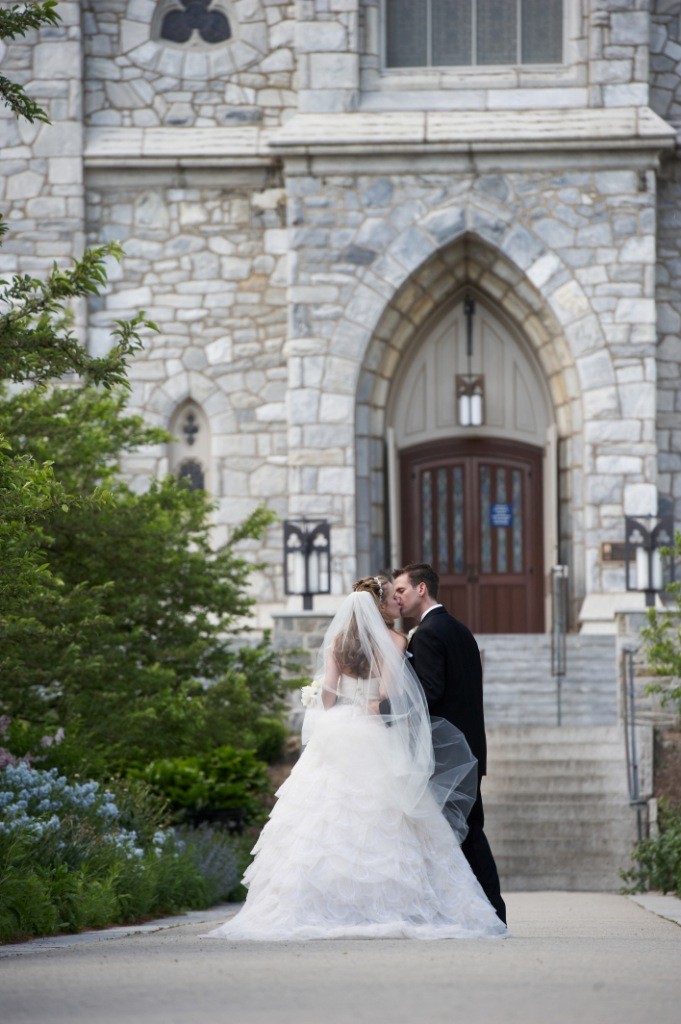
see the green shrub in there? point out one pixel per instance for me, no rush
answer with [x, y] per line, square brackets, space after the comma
[72, 858]
[659, 858]
[270, 737]
[217, 856]
[224, 785]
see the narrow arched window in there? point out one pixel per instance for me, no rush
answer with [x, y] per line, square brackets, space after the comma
[189, 450]
[192, 472]
[465, 33]
[185, 21]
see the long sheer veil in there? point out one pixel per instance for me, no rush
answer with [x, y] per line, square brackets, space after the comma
[426, 756]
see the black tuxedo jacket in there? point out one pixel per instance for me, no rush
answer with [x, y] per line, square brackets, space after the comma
[446, 659]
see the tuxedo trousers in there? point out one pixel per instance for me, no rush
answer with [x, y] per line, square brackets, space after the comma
[477, 851]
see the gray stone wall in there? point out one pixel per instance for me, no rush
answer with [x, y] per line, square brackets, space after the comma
[665, 59]
[668, 293]
[665, 98]
[41, 185]
[327, 45]
[285, 307]
[135, 79]
[578, 248]
[208, 264]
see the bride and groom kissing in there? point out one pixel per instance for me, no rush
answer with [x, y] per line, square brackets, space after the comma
[378, 831]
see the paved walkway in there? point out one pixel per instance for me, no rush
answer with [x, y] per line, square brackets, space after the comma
[575, 958]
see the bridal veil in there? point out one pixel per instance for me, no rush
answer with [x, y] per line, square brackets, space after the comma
[360, 666]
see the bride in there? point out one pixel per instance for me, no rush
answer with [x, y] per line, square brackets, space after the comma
[364, 838]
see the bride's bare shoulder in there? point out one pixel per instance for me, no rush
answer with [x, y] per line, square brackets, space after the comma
[399, 639]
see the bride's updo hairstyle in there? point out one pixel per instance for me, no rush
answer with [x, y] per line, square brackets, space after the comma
[374, 585]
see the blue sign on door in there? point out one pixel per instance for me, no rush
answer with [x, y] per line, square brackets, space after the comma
[501, 514]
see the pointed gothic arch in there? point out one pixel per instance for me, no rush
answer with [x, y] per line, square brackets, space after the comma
[469, 261]
[189, 449]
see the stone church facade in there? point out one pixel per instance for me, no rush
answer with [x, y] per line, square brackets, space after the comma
[347, 217]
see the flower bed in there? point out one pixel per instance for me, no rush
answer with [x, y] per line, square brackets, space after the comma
[71, 857]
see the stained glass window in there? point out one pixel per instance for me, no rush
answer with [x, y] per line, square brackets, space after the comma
[442, 520]
[427, 506]
[203, 17]
[502, 561]
[193, 472]
[485, 528]
[461, 33]
[189, 447]
[458, 520]
[517, 521]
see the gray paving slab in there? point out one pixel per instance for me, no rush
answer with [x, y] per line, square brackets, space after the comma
[574, 958]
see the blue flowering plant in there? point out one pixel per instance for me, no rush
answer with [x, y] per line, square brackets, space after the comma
[74, 854]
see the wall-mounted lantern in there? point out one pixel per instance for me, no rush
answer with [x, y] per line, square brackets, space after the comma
[470, 387]
[644, 536]
[307, 558]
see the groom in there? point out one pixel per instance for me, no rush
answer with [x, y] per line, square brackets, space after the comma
[447, 661]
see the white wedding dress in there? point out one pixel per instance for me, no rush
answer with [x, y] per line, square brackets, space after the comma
[345, 855]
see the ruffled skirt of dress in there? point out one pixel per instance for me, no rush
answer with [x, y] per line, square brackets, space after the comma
[341, 856]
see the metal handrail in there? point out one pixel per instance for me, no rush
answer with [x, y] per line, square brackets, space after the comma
[559, 609]
[630, 743]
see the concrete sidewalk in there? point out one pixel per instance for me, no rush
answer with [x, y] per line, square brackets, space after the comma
[575, 958]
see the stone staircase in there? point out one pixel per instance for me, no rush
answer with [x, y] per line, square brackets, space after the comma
[519, 688]
[557, 810]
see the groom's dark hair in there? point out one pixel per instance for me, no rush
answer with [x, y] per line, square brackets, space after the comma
[421, 572]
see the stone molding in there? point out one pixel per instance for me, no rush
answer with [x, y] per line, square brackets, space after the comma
[474, 131]
[463, 132]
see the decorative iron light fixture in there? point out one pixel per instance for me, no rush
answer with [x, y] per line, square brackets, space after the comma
[307, 558]
[470, 387]
[644, 536]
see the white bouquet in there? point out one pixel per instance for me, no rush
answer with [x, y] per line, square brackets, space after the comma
[308, 694]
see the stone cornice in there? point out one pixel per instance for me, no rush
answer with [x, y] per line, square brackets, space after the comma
[177, 147]
[419, 133]
[427, 132]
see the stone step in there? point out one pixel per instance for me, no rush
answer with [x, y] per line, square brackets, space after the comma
[554, 756]
[557, 810]
[519, 687]
[562, 836]
[569, 796]
[595, 881]
[551, 734]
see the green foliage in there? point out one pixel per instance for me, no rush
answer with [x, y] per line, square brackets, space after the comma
[70, 857]
[243, 852]
[37, 343]
[117, 610]
[43, 895]
[117, 614]
[269, 739]
[17, 21]
[217, 856]
[659, 858]
[224, 785]
[662, 638]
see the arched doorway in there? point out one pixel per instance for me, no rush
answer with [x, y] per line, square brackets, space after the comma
[478, 503]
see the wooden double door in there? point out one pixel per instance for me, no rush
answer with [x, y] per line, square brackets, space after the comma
[473, 510]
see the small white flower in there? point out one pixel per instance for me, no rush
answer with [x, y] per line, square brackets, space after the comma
[308, 694]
